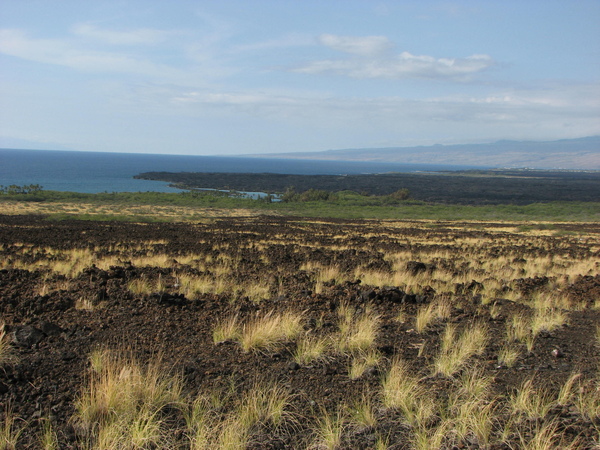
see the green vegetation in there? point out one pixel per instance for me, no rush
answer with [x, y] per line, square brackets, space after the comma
[344, 204]
[14, 189]
[494, 188]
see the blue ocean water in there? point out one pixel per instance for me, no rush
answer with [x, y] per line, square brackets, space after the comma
[91, 172]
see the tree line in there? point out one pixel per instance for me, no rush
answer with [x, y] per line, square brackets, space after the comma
[15, 189]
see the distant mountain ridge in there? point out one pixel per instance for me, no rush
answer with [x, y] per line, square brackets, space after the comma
[571, 154]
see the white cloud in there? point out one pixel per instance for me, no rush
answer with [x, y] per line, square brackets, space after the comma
[404, 65]
[66, 53]
[527, 114]
[223, 99]
[140, 36]
[363, 46]
[370, 59]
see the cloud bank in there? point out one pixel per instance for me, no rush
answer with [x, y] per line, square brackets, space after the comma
[371, 58]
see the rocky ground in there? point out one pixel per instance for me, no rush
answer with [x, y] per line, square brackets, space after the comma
[66, 290]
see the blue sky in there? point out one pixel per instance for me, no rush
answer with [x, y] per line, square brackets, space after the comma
[262, 76]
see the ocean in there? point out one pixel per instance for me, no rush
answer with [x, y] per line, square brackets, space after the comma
[92, 172]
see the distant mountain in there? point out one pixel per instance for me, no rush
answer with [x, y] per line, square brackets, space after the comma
[582, 153]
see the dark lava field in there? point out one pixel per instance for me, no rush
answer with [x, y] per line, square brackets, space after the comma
[282, 333]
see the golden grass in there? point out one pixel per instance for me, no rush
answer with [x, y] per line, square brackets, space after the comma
[328, 431]
[266, 332]
[587, 400]
[263, 404]
[547, 320]
[121, 406]
[363, 361]
[425, 316]
[195, 286]
[439, 310]
[310, 349]
[48, 437]
[256, 291]
[401, 390]
[362, 412]
[566, 393]
[263, 332]
[86, 304]
[358, 330]
[175, 213]
[547, 437]
[200, 422]
[518, 328]
[425, 438]
[531, 402]
[508, 355]
[11, 429]
[456, 351]
[227, 330]
[468, 415]
[473, 384]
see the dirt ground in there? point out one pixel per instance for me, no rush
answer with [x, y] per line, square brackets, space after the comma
[56, 315]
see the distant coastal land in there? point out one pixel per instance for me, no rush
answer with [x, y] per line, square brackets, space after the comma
[582, 153]
[479, 187]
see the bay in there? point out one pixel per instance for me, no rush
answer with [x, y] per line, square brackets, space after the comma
[92, 172]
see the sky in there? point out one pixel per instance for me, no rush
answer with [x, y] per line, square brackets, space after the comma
[229, 77]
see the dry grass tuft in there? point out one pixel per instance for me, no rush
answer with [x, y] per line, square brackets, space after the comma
[228, 330]
[531, 402]
[455, 352]
[358, 330]
[363, 361]
[122, 404]
[402, 391]
[508, 355]
[10, 431]
[266, 332]
[263, 332]
[328, 431]
[310, 349]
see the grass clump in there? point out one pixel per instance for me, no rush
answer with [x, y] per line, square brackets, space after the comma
[426, 315]
[210, 425]
[310, 348]
[456, 351]
[200, 421]
[531, 402]
[268, 331]
[264, 403]
[362, 412]
[547, 320]
[357, 330]
[263, 332]
[546, 436]
[587, 400]
[329, 430]
[363, 361]
[48, 437]
[508, 356]
[121, 406]
[10, 432]
[401, 390]
[228, 330]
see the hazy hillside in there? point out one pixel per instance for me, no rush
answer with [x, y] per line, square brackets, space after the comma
[583, 153]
